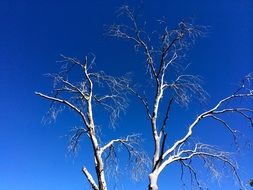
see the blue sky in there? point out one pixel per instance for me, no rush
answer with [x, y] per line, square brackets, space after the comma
[34, 33]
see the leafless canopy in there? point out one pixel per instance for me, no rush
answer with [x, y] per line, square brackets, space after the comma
[163, 51]
[107, 91]
[80, 89]
[164, 54]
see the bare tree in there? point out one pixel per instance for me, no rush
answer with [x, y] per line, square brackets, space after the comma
[81, 95]
[164, 55]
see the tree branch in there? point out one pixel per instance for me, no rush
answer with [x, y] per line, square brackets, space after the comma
[66, 103]
[166, 116]
[90, 179]
[142, 99]
[200, 117]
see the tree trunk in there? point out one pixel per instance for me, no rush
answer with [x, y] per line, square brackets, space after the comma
[153, 181]
[101, 175]
[99, 162]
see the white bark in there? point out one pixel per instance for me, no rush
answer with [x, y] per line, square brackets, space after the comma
[153, 177]
[90, 178]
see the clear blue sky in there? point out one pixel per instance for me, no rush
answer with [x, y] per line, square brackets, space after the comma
[34, 33]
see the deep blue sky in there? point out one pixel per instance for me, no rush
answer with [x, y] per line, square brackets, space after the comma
[34, 33]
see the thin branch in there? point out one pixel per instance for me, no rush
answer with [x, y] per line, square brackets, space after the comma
[142, 99]
[193, 173]
[66, 103]
[75, 136]
[232, 131]
[185, 87]
[117, 31]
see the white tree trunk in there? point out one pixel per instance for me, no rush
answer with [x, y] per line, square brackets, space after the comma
[100, 173]
[98, 158]
[153, 177]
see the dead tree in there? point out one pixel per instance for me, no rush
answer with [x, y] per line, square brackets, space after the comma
[164, 54]
[81, 95]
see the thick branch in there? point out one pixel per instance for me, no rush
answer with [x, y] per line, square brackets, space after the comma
[200, 117]
[90, 178]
